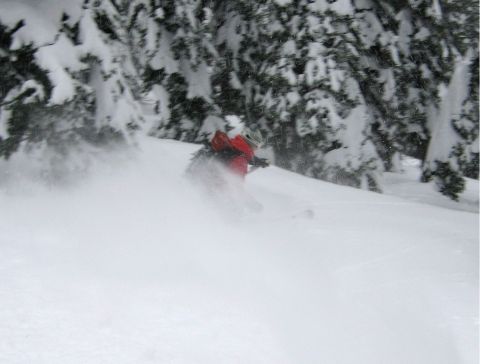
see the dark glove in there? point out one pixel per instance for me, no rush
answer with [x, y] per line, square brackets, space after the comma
[260, 162]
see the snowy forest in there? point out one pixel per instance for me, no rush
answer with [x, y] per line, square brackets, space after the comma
[342, 229]
[341, 88]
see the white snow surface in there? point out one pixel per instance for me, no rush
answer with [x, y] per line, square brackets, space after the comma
[134, 265]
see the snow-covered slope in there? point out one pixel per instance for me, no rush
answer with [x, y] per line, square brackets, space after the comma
[405, 184]
[135, 265]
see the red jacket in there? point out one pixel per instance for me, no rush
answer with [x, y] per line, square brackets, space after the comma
[239, 164]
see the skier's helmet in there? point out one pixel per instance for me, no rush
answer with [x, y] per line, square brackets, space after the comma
[253, 137]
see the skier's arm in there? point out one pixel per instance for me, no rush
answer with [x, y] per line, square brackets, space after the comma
[259, 162]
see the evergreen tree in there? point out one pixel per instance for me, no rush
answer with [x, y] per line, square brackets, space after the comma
[445, 49]
[72, 91]
[177, 62]
[452, 134]
[24, 84]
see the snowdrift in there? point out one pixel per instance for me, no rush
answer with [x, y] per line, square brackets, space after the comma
[134, 265]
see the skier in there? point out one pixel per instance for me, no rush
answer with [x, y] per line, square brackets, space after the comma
[220, 168]
[235, 155]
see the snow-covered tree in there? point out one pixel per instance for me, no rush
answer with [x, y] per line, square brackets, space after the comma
[68, 85]
[24, 84]
[453, 133]
[177, 66]
[443, 50]
[341, 88]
